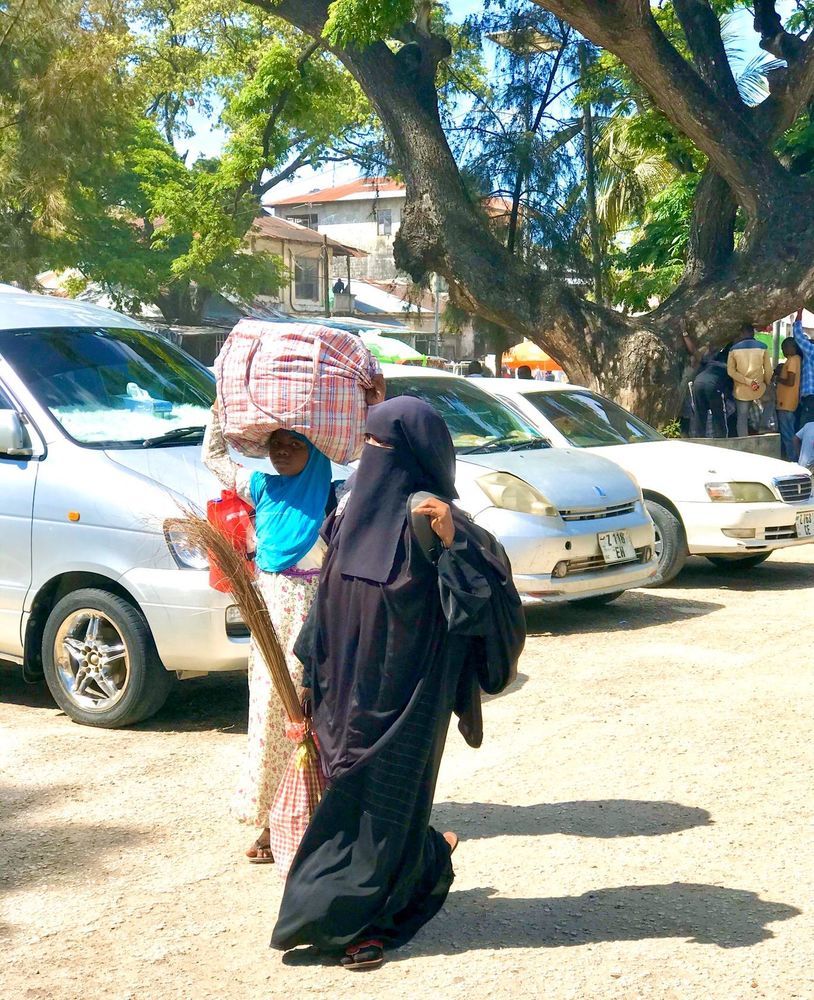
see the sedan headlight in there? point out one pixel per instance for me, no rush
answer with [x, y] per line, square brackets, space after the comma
[184, 552]
[740, 493]
[510, 493]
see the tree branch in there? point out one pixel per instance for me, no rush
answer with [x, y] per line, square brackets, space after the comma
[773, 37]
[702, 30]
[629, 30]
[282, 97]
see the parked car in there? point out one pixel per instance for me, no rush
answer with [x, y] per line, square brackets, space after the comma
[574, 525]
[101, 423]
[732, 507]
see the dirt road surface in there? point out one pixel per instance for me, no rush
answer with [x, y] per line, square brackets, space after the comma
[637, 825]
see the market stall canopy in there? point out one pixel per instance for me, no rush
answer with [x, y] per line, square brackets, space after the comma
[531, 355]
[388, 349]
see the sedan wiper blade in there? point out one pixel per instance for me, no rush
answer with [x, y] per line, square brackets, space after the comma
[173, 436]
[508, 443]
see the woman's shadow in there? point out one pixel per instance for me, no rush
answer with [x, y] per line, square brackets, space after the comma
[701, 914]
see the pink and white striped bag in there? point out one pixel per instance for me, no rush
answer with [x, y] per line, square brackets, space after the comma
[299, 376]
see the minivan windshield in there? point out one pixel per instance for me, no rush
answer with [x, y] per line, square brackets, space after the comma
[586, 420]
[478, 422]
[111, 388]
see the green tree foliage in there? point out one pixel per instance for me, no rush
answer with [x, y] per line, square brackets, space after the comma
[62, 95]
[151, 230]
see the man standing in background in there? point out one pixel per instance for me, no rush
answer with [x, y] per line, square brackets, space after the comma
[750, 369]
[788, 397]
[806, 348]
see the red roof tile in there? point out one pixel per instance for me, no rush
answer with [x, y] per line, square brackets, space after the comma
[362, 185]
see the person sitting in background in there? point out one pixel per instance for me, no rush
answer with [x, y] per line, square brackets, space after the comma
[788, 397]
[749, 367]
[524, 372]
[805, 446]
[806, 411]
[475, 370]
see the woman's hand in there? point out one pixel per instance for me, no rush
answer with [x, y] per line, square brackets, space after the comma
[376, 393]
[440, 517]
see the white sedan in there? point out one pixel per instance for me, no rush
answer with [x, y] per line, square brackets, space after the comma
[573, 525]
[730, 506]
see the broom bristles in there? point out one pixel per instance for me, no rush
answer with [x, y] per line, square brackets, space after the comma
[248, 598]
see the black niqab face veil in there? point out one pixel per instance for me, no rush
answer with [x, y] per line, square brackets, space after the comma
[420, 456]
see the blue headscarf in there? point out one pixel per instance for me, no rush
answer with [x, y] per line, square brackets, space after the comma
[289, 511]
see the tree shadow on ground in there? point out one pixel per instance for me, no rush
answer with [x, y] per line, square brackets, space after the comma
[45, 852]
[700, 574]
[603, 819]
[637, 609]
[219, 701]
[700, 914]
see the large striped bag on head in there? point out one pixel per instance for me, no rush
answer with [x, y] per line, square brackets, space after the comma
[298, 376]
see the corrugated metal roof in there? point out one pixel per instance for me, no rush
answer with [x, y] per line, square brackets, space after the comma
[362, 187]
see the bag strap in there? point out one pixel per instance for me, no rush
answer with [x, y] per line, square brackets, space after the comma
[428, 541]
[280, 417]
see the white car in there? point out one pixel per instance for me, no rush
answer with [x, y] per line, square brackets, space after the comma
[730, 506]
[573, 525]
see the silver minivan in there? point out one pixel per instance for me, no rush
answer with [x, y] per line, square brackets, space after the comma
[101, 422]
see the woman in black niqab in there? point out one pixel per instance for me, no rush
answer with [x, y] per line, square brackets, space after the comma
[383, 651]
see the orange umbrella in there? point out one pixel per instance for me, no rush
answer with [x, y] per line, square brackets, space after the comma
[531, 355]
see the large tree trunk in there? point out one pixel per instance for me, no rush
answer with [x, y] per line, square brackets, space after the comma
[637, 360]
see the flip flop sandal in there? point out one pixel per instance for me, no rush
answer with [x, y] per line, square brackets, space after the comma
[255, 859]
[452, 840]
[365, 955]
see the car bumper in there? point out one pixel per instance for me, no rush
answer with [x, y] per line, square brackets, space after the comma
[712, 528]
[536, 545]
[187, 619]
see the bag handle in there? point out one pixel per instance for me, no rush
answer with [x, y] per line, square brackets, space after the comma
[279, 418]
[429, 543]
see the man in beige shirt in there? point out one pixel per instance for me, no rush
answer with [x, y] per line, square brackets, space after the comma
[750, 369]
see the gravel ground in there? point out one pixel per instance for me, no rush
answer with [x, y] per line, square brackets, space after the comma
[638, 824]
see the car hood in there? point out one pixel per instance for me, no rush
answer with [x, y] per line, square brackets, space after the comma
[568, 478]
[178, 471]
[682, 457]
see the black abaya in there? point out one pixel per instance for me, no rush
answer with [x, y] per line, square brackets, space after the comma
[384, 659]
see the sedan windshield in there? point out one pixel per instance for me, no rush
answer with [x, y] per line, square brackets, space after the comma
[589, 421]
[477, 422]
[111, 388]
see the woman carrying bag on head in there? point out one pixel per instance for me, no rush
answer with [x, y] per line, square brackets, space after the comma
[290, 506]
[388, 652]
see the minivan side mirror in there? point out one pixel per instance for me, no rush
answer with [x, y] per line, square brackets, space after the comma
[14, 440]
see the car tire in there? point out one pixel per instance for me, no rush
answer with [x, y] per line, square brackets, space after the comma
[671, 543]
[735, 563]
[598, 600]
[100, 661]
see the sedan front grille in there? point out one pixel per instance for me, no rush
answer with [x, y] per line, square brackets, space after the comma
[794, 489]
[596, 564]
[597, 513]
[779, 533]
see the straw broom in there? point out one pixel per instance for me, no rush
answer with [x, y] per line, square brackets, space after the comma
[250, 601]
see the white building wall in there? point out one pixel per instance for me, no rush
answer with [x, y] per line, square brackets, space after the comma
[354, 224]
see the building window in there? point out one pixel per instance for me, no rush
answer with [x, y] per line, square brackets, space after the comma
[309, 221]
[306, 279]
[384, 222]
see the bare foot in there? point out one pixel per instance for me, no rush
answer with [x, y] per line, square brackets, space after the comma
[260, 851]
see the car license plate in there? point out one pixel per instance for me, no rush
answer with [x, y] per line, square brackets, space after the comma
[805, 524]
[616, 546]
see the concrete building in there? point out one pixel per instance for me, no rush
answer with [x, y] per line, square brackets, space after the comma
[365, 213]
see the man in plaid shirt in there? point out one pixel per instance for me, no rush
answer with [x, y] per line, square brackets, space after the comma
[806, 411]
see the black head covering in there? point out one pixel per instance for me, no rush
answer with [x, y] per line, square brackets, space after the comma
[421, 457]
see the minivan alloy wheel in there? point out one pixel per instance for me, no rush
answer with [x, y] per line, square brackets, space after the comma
[92, 660]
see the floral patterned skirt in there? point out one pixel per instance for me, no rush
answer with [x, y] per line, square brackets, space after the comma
[289, 596]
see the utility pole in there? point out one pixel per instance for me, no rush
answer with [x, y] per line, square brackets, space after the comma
[590, 179]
